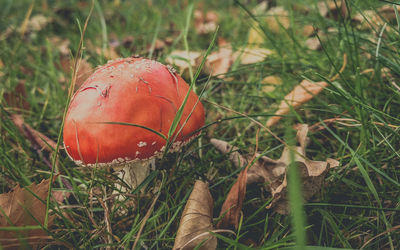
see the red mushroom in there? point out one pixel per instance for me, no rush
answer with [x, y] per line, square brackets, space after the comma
[120, 117]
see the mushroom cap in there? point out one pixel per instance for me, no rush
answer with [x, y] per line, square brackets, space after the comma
[135, 91]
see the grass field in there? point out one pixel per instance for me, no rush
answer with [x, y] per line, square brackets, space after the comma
[354, 120]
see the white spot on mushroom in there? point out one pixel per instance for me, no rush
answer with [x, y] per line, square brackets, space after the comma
[153, 143]
[137, 153]
[142, 144]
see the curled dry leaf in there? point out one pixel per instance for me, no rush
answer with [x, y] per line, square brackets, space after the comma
[230, 211]
[24, 207]
[302, 93]
[273, 172]
[196, 219]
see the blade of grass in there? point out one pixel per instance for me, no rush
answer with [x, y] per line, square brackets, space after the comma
[70, 92]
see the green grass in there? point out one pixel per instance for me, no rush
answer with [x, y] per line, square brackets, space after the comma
[357, 207]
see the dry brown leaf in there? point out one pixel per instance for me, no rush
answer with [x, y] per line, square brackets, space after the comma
[196, 221]
[270, 83]
[35, 137]
[273, 172]
[230, 211]
[22, 208]
[302, 93]
[184, 59]
[219, 62]
[205, 23]
[308, 30]
[17, 98]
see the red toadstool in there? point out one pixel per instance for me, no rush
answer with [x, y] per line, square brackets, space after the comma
[121, 116]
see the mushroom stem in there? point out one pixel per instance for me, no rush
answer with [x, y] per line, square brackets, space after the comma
[132, 175]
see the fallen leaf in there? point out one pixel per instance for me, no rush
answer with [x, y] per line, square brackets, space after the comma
[205, 23]
[333, 9]
[219, 62]
[369, 20]
[313, 43]
[257, 172]
[260, 8]
[17, 98]
[24, 207]
[388, 12]
[196, 219]
[325, 6]
[256, 36]
[230, 211]
[38, 139]
[251, 55]
[37, 23]
[184, 59]
[308, 30]
[270, 83]
[312, 174]
[273, 172]
[302, 93]
[277, 19]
